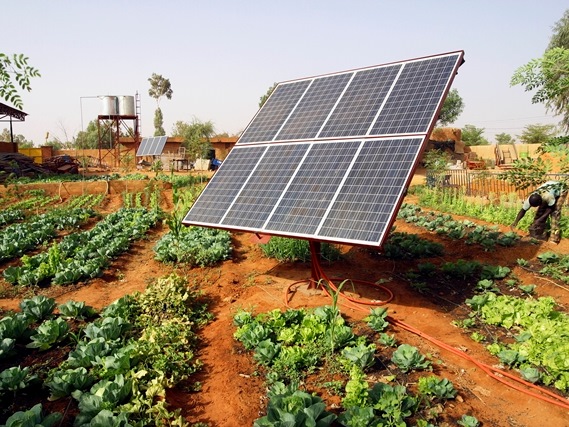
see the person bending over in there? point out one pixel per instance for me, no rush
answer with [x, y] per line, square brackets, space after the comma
[544, 198]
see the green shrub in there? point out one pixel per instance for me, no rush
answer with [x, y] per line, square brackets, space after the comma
[196, 246]
[286, 249]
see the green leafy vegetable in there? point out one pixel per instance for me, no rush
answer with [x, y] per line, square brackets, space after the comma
[64, 382]
[50, 332]
[33, 418]
[15, 378]
[14, 326]
[7, 347]
[196, 246]
[76, 310]
[408, 358]
[468, 421]
[109, 328]
[440, 388]
[361, 355]
[38, 307]
[376, 319]
[295, 408]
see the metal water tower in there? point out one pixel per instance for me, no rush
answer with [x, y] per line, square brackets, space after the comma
[117, 112]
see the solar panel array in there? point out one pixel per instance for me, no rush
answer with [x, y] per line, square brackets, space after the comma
[152, 146]
[329, 157]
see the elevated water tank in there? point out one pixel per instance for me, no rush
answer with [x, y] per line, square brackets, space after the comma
[109, 105]
[126, 105]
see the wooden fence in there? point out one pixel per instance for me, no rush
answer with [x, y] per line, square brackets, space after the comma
[481, 183]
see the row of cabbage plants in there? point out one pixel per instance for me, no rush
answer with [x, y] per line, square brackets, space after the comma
[446, 225]
[84, 254]
[21, 237]
[111, 368]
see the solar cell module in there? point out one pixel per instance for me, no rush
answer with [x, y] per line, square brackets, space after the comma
[329, 158]
[152, 146]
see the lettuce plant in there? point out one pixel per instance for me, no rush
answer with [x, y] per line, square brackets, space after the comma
[38, 307]
[295, 408]
[440, 388]
[356, 389]
[15, 378]
[376, 319]
[76, 310]
[47, 334]
[408, 358]
[14, 326]
[7, 347]
[33, 418]
[64, 382]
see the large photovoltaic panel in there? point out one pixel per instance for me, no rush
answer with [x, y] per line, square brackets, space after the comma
[152, 146]
[272, 116]
[306, 119]
[359, 105]
[257, 199]
[311, 191]
[329, 158]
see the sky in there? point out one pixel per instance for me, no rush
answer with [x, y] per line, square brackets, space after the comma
[221, 56]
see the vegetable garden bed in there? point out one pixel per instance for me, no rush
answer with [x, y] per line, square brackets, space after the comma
[233, 390]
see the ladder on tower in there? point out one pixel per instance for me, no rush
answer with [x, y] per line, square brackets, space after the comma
[138, 125]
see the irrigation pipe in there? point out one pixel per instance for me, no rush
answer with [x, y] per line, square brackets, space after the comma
[522, 386]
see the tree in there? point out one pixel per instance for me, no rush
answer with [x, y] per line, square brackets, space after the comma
[159, 87]
[452, 108]
[56, 144]
[436, 163]
[537, 134]
[89, 138]
[504, 138]
[264, 98]
[196, 136]
[15, 67]
[158, 123]
[19, 139]
[548, 76]
[472, 135]
[67, 142]
[560, 36]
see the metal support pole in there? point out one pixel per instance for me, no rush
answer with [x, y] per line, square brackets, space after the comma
[315, 251]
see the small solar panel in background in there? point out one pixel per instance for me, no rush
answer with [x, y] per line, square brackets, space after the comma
[151, 146]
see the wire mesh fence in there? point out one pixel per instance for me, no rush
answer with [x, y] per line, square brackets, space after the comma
[481, 183]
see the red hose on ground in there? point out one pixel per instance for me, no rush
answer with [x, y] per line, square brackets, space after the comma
[363, 305]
